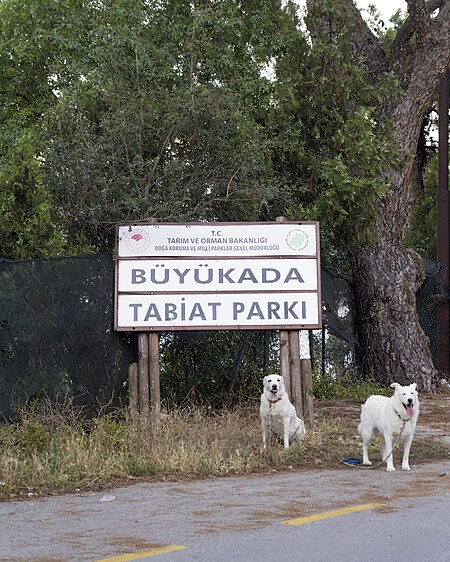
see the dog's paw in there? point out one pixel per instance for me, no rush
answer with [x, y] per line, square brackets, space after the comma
[367, 463]
[390, 469]
[406, 467]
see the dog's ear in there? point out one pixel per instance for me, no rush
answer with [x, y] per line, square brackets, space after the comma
[395, 385]
[414, 385]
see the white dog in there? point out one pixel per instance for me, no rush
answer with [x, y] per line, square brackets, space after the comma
[388, 416]
[278, 414]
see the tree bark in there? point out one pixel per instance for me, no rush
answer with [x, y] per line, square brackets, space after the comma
[386, 274]
[394, 346]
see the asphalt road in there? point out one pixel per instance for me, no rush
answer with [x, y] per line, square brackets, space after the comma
[334, 515]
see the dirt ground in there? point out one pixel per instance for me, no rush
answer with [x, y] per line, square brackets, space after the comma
[434, 417]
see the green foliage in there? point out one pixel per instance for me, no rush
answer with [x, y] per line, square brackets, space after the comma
[163, 118]
[138, 109]
[33, 437]
[328, 387]
[109, 430]
[217, 368]
[29, 227]
[422, 234]
[387, 33]
[331, 148]
[139, 467]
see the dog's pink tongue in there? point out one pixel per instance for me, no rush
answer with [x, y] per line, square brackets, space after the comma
[410, 411]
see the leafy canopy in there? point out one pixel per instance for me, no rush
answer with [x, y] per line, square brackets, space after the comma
[119, 111]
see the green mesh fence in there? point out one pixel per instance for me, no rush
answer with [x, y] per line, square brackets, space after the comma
[434, 290]
[56, 333]
[57, 338]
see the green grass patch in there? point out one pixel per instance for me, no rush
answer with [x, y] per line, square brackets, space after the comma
[326, 387]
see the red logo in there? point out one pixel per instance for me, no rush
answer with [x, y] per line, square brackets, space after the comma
[137, 241]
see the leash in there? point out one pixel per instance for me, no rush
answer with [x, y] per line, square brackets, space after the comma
[393, 446]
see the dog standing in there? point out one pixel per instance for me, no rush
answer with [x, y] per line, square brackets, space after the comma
[278, 414]
[388, 416]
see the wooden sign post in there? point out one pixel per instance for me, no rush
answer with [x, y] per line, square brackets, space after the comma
[144, 377]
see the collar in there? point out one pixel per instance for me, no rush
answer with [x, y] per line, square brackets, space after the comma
[402, 418]
[274, 401]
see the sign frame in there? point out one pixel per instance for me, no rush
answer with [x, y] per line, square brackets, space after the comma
[290, 245]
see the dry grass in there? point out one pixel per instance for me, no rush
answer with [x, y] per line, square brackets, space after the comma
[52, 451]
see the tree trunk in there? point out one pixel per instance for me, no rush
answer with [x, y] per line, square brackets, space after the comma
[395, 348]
[386, 275]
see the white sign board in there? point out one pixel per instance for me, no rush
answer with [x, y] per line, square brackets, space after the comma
[217, 276]
[227, 311]
[215, 239]
[187, 276]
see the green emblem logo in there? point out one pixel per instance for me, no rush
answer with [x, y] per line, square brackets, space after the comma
[297, 240]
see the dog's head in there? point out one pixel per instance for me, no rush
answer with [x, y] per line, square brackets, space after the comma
[408, 397]
[273, 384]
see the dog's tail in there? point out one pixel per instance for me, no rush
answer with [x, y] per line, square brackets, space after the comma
[300, 430]
[363, 414]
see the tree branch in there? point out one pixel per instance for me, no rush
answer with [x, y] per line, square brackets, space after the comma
[326, 19]
[401, 50]
[421, 20]
[428, 66]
